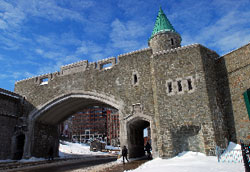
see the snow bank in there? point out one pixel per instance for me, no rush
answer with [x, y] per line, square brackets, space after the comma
[67, 149]
[191, 161]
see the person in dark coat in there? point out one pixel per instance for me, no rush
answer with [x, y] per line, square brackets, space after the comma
[125, 154]
[148, 149]
[51, 153]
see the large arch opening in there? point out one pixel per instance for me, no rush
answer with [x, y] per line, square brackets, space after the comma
[136, 137]
[44, 133]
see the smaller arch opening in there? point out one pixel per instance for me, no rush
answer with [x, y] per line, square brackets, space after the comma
[137, 139]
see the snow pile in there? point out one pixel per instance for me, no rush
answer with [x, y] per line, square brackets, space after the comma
[191, 161]
[67, 149]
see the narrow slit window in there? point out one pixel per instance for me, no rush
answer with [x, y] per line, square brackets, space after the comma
[179, 86]
[170, 88]
[190, 87]
[135, 79]
[172, 41]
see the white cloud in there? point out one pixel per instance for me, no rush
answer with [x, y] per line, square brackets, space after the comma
[39, 51]
[3, 76]
[88, 48]
[50, 67]
[11, 16]
[48, 9]
[127, 35]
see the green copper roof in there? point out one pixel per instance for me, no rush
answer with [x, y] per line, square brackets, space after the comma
[162, 24]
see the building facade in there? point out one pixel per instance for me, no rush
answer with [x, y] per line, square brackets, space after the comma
[93, 123]
[113, 130]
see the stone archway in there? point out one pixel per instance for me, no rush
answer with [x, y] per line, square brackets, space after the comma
[135, 127]
[42, 132]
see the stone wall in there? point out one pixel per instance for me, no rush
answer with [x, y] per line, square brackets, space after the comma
[116, 82]
[236, 78]
[185, 93]
[10, 110]
[45, 137]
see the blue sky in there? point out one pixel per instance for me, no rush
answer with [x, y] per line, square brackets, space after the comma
[39, 36]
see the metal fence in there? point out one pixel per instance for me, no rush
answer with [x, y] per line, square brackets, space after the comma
[229, 156]
[235, 155]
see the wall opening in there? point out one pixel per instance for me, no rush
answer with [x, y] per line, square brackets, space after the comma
[170, 87]
[172, 41]
[106, 66]
[137, 138]
[20, 139]
[179, 86]
[190, 87]
[135, 79]
[44, 81]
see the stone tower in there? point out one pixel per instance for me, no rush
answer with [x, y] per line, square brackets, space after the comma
[164, 36]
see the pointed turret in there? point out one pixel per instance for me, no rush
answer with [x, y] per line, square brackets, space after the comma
[164, 36]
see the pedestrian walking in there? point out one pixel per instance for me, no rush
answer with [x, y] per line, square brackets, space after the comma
[148, 149]
[125, 154]
[51, 154]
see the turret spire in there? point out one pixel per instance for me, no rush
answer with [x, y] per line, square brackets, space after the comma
[162, 24]
[164, 35]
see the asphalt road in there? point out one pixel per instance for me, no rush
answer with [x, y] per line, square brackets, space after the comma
[66, 166]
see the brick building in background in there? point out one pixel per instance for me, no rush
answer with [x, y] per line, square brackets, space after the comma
[92, 123]
[113, 127]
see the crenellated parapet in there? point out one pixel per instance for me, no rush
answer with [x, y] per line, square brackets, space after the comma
[102, 63]
[81, 66]
[74, 67]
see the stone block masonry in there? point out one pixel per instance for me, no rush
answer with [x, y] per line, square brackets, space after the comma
[10, 111]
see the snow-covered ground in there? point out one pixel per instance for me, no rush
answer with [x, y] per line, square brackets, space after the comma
[67, 149]
[194, 162]
[71, 150]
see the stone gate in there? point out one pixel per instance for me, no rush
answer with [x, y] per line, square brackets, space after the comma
[170, 88]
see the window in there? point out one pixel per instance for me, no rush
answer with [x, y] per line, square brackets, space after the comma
[135, 79]
[190, 87]
[172, 41]
[106, 66]
[44, 81]
[179, 86]
[170, 88]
